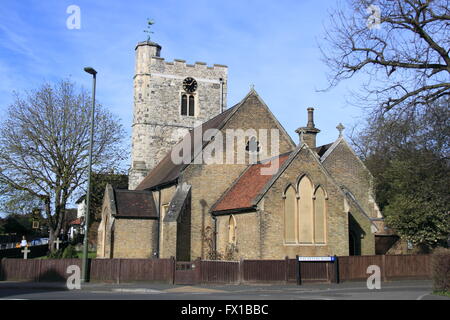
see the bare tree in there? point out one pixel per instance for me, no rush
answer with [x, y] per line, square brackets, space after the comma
[401, 45]
[44, 143]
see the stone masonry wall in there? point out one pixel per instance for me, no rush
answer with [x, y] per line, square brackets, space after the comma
[157, 122]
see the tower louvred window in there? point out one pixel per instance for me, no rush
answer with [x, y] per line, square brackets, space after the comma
[184, 105]
[191, 106]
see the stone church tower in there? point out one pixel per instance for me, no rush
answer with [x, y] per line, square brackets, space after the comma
[169, 99]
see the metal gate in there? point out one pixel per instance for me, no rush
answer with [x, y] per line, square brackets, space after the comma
[187, 272]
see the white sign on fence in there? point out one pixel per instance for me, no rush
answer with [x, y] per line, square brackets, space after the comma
[315, 259]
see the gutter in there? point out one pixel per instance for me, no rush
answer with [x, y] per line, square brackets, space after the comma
[159, 224]
[234, 211]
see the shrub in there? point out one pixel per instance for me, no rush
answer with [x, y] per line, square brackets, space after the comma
[440, 265]
[69, 252]
[230, 252]
[55, 254]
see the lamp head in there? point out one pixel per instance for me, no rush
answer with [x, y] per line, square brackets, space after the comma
[90, 70]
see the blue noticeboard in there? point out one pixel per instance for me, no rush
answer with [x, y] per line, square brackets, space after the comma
[317, 259]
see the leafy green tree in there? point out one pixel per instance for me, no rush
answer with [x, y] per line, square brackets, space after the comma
[407, 151]
[2, 226]
[99, 182]
[417, 198]
[17, 224]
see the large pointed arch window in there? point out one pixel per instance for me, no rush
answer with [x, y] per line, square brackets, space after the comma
[232, 230]
[191, 105]
[305, 210]
[320, 216]
[290, 234]
[184, 103]
[305, 213]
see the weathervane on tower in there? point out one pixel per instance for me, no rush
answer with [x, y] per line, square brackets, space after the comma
[150, 22]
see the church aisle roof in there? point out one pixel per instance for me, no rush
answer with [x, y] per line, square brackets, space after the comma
[247, 187]
[134, 204]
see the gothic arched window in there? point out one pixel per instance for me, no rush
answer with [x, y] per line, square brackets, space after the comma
[184, 105]
[232, 230]
[305, 214]
[305, 211]
[290, 213]
[320, 210]
[191, 105]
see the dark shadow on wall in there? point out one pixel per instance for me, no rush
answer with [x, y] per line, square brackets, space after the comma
[383, 243]
[355, 234]
[183, 249]
[49, 281]
[50, 275]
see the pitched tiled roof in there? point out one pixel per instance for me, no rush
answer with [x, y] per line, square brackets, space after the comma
[247, 187]
[71, 214]
[75, 222]
[134, 204]
[322, 149]
[166, 171]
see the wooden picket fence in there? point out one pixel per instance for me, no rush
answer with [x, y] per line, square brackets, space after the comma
[351, 268]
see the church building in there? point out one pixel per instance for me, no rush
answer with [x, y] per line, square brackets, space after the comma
[228, 183]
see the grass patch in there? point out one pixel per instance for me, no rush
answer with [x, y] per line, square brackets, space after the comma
[442, 293]
[79, 255]
[91, 254]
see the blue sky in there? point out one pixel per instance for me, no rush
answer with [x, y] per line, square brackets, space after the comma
[271, 44]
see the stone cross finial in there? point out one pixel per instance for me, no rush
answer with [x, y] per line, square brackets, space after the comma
[252, 86]
[341, 128]
[57, 241]
[25, 252]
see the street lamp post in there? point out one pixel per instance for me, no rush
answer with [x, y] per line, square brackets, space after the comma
[86, 219]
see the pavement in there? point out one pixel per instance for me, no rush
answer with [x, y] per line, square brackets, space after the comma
[396, 290]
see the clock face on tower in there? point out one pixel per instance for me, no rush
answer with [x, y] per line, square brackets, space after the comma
[189, 85]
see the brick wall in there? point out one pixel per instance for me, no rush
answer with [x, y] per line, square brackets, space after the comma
[349, 171]
[247, 235]
[135, 238]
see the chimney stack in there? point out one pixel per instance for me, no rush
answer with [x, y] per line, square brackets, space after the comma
[308, 134]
